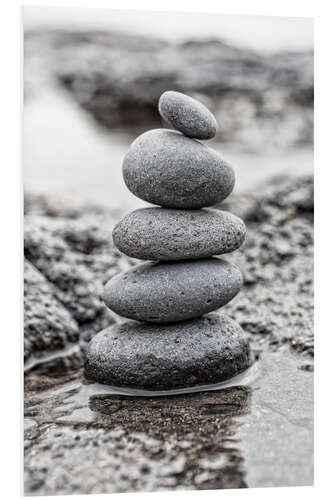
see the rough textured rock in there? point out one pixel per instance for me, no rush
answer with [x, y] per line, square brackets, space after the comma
[166, 168]
[276, 302]
[132, 444]
[78, 441]
[170, 234]
[76, 256]
[187, 115]
[262, 101]
[49, 328]
[69, 261]
[132, 354]
[163, 292]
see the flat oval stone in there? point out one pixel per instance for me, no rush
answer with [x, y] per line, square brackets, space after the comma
[164, 292]
[160, 357]
[172, 234]
[166, 168]
[187, 115]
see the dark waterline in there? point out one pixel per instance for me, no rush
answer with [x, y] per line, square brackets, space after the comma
[244, 378]
[266, 413]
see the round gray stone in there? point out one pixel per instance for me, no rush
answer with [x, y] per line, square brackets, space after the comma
[187, 115]
[172, 234]
[166, 168]
[159, 357]
[163, 292]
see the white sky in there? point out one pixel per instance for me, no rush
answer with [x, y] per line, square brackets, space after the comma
[261, 33]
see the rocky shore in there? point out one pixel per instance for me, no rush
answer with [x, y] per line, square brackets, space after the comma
[70, 258]
[79, 439]
[262, 101]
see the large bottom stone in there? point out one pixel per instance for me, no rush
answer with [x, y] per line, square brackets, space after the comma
[156, 357]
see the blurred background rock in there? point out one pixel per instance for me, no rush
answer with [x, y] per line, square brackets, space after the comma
[90, 90]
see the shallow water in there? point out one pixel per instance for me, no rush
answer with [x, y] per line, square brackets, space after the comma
[266, 414]
[243, 378]
[254, 430]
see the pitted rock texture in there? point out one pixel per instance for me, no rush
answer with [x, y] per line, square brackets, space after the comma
[132, 354]
[171, 234]
[164, 292]
[187, 115]
[79, 443]
[72, 254]
[131, 444]
[48, 325]
[68, 262]
[276, 302]
[166, 168]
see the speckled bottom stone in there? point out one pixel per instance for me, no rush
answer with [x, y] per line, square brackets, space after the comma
[157, 357]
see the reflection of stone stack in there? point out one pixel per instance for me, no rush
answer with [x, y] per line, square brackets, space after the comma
[173, 343]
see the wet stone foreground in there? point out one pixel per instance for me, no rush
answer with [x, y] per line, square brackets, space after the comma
[255, 431]
[81, 440]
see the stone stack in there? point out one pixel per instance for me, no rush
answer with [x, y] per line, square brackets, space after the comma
[171, 340]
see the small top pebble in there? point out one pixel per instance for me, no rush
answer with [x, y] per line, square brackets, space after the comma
[187, 115]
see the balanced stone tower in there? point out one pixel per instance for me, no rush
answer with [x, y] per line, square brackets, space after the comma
[171, 340]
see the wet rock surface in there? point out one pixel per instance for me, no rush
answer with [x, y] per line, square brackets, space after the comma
[76, 256]
[197, 352]
[120, 443]
[68, 260]
[169, 234]
[79, 439]
[119, 78]
[165, 292]
[277, 262]
[48, 325]
[166, 168]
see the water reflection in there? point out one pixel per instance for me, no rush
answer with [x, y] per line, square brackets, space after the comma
[202, 426]
[210, 439]
[206, 422]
